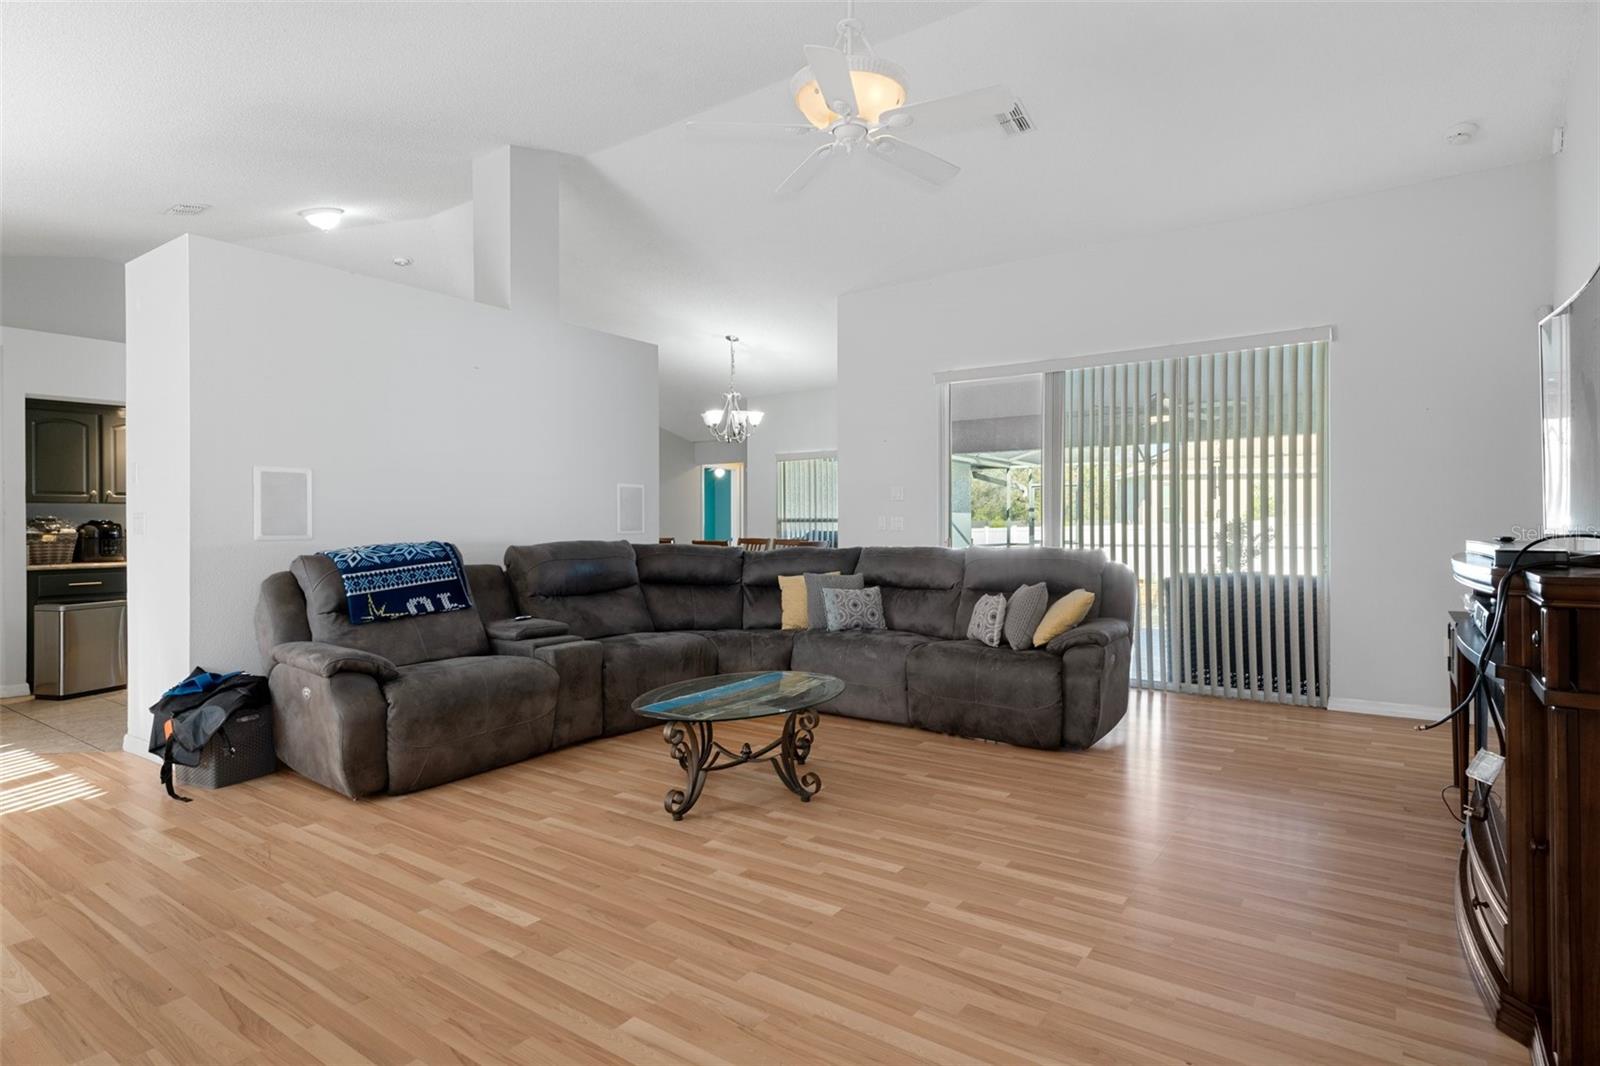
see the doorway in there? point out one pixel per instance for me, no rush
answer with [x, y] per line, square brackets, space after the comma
[722, 501]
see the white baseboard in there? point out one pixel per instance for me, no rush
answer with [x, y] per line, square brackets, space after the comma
[139, 746]
[1388, 710]
[10, 691]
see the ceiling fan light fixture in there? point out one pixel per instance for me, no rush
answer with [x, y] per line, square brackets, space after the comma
[879, 86]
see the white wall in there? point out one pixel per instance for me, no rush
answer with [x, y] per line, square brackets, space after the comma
[680, 488]
[56, 294]
[420, 414]
[1577, 171]
[795, 422]
[160, 488]
[45, 366]
[1434, 291]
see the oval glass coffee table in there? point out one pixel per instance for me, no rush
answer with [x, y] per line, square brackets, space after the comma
[690, 708]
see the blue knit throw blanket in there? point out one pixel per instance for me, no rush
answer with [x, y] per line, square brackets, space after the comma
[383, 582]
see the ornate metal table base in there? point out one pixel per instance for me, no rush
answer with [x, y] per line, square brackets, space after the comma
[699, 753]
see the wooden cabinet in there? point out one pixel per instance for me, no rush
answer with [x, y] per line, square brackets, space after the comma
[77, 453]
[1528, 882]
[63, 454]
[114, 456]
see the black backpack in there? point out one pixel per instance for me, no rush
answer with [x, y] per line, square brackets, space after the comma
[194, 710]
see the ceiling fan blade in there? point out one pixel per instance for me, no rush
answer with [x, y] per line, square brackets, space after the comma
[749, 130]
[962, 109]
[832, 71]
[925, 165]
[805, 171]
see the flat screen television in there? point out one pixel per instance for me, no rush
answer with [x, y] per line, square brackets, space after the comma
[1569, 371]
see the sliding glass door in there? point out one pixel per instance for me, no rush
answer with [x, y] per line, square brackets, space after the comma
[1204, 473]
[996, 466]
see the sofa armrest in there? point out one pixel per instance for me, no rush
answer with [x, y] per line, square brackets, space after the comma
[525, 628]
[325, 660]
[1101, 631]
[1096, 658]
[331, 728]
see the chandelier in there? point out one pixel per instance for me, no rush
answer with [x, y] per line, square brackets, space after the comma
[731, 423]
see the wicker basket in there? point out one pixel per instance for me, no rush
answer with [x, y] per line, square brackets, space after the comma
[50, 549]
[250, 732]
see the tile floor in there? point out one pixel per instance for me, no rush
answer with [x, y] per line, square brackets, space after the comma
[88, 723]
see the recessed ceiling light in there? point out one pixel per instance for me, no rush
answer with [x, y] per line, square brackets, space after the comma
[324, 218]
[186, 209]
[1461, 133]
[402, 260]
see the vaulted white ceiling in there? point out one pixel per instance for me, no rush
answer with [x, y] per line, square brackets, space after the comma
[1149, 116]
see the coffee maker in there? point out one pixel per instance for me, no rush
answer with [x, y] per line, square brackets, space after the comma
[101, 540]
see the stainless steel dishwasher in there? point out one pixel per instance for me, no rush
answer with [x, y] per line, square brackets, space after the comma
[79, 647]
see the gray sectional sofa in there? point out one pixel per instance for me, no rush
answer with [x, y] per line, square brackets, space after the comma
[568, 634]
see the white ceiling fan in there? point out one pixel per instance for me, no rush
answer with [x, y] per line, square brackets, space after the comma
[858, 101]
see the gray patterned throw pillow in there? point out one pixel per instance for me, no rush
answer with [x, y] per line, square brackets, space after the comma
[816, 616]
[1024, 613]
[988, 619]
[852, 609]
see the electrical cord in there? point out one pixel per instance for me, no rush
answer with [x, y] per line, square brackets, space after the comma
[1492, 637]
[1446, 803]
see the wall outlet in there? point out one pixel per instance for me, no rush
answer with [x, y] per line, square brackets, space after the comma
[897, 524]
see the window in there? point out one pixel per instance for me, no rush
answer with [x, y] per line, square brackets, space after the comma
[996, 451]
[1204, 473]
[808, 497]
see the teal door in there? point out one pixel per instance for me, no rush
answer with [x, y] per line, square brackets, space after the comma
[718, 502]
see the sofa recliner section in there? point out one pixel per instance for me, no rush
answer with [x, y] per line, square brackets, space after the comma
[569, 634]
[501, 709]
[591, 585]
[871, 663]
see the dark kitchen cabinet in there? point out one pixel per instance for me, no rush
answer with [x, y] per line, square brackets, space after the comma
[114, 456]
[77, 453]
[63, 454]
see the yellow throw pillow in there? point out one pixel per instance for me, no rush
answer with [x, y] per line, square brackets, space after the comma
[792, 591]
[1063, 614]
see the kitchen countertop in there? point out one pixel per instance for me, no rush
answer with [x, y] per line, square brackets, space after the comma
[110, 565]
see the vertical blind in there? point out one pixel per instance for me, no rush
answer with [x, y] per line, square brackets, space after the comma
[1207, 475]
[808, 498]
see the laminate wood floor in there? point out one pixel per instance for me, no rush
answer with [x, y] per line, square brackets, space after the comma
[1218, 882]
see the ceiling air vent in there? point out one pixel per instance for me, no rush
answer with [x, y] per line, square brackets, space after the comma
[1017, 120]
[186, 209]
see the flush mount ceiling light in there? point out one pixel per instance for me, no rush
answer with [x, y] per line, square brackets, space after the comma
[323, 218]
[858, 101]
[731, 423]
